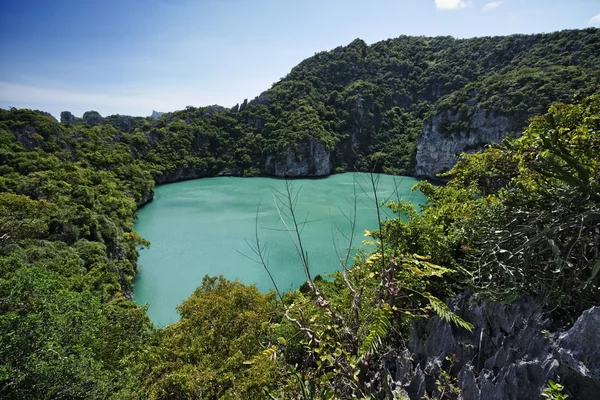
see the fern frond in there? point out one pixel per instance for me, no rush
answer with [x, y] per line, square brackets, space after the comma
[270, 353]
[419, 265]
[378, 329]
[444, 312]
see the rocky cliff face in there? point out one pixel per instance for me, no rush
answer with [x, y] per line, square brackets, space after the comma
[510, 354]
[181, 174]
[437, 150]
[309, 159]
[146, 198]
[156, 114]
[187, 173]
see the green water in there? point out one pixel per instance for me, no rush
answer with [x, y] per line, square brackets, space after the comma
[201, 227]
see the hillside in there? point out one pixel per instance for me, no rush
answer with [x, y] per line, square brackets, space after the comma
[517, 223]
[387, 107]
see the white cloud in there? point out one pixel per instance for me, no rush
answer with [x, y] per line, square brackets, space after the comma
[595, 20]
[451, 4]
[491, 5]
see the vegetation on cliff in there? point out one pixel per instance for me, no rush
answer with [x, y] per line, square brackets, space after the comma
[366, 104]
[518, 218]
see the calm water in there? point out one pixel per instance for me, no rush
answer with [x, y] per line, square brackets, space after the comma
[201, 227]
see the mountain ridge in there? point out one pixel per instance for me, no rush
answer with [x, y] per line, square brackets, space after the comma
[370, 106]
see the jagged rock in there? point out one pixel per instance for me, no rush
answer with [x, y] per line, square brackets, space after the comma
[156, 114]
[92, 118]
[509, 354]
[437, 151]
[262, 98]
[582, 342]
[67, 117]
[309, 159]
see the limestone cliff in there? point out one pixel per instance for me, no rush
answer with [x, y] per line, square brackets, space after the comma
[156, 114]
[437, 149]
[308, 159]
[67, 117]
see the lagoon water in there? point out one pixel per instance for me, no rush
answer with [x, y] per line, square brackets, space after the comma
[202, 227]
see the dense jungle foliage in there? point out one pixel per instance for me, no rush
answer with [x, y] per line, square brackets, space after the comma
[366, 104]
[518, 218]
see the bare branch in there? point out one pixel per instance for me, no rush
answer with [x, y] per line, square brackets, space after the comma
[261, 253]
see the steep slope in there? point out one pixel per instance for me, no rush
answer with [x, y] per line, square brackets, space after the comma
[492, 109]
[368, 104]
[407, 105]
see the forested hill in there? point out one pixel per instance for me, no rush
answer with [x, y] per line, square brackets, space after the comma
[368, 103]
[69, 192]
[364, 107]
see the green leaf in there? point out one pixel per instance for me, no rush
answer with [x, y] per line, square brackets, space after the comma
[595, 271]
[379, 328]
[442, 310]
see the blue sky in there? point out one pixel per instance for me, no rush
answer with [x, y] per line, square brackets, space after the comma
[133, 56]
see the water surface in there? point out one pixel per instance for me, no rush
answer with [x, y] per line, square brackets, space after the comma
[201, 227]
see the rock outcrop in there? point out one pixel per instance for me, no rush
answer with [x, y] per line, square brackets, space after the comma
[92, 118]
[188, 173]
[67, 117]
[156, 114]
[146, 198]
[181, 174]
[510, 354]
[309, 159]
[437, 151]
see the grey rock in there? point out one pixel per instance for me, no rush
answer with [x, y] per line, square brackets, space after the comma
[437, 152]
[309, 159]
[469, 383]
[92, 118]
[586, 330]
[262, 98]
[156, 114]
[509, 354]
[67, 117]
